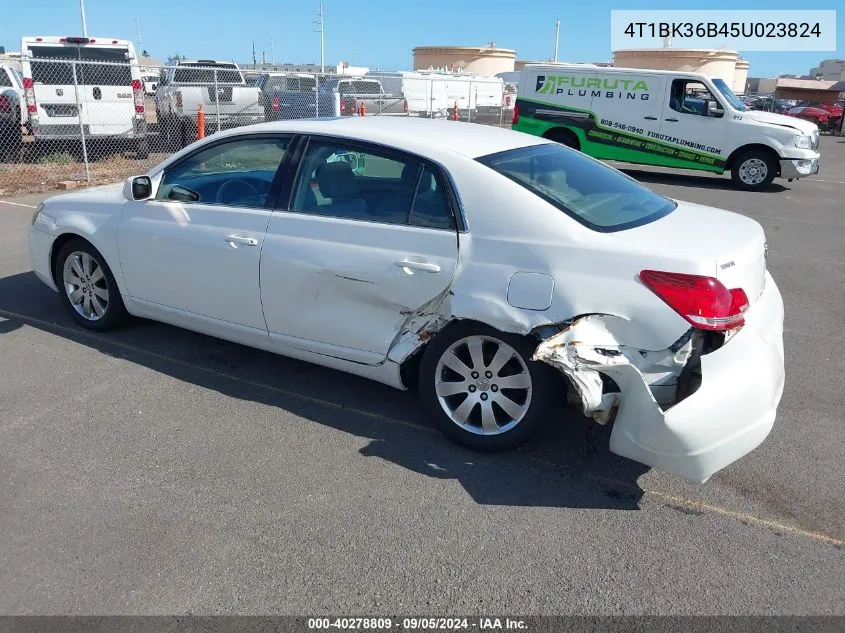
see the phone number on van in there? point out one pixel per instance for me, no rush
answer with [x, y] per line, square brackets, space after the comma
[621, 126]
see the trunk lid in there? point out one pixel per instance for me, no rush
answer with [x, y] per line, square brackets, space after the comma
[701, 240]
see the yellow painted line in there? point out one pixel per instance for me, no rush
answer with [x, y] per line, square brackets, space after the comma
[749, 518]
[683, 501]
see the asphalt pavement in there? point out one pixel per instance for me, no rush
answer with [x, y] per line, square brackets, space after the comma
[156, 471]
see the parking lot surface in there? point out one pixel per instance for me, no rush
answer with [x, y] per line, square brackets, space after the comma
[152, 470]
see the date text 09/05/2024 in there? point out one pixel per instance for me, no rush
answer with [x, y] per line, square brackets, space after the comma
[411, 624]
[724, 29]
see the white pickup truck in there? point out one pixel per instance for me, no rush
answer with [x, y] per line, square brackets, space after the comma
[12, 109]
[227, 100]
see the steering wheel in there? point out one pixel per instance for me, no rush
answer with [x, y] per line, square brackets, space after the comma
[236, 190]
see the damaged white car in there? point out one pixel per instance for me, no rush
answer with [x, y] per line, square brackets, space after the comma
[490, 269]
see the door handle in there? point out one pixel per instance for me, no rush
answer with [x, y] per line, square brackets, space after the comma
[426, 267]
[672, 120]
[650, 118]
[241, 239]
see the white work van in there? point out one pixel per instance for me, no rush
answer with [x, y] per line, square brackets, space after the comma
[77, 87]
[423, 97]
[477, 98]
[665, 118]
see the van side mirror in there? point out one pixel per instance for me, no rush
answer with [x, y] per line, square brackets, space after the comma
[714, 110]
[138, 188]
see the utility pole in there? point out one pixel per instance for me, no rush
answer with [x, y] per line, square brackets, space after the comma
[319, 23]
[138, 34]
[557, 36]
[82, 13]
[253, 54]
[272, 53]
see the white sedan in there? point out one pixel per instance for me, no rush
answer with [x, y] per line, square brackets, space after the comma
[492, 270]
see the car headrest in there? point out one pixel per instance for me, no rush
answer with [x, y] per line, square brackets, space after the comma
[409, 177]
[337, 180]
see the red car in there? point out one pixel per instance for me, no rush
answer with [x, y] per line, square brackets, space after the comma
[826, 116]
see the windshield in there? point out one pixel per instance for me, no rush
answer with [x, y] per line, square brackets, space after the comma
[592, 193]
[727, 93]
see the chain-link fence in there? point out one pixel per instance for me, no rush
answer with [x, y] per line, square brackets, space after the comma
[95, 122]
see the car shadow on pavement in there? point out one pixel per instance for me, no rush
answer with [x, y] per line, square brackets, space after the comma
[567, 465]
[691, 180]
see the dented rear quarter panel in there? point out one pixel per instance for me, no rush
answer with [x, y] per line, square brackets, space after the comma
[515, 231]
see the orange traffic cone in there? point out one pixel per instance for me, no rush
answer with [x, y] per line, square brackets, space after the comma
[363, 110]
[200, 123]
[455, 112]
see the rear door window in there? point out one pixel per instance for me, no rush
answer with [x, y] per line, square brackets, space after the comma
[107, 67]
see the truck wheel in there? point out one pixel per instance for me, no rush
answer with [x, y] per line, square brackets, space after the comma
[564, 137]
[10, 145]
[753, 170]
[174, 135]
[142, 150]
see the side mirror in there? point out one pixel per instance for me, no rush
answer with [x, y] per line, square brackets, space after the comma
[714, 110]
[138, 188]
[182, 194]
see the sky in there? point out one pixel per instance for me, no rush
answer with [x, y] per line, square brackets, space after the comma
[374, 33]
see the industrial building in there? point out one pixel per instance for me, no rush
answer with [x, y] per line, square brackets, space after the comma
[487, 61]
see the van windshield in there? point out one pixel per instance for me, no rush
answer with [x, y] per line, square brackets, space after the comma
[727, 93]
[599, 197]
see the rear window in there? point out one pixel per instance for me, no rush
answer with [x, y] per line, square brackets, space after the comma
[107, 67]
[290, 84]
[202, 74]
[359, 88]
[590, 192]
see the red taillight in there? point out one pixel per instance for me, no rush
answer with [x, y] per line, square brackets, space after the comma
[343, 106]
[276, 104]
[515, 115]
[29, 95]
[703, 301]
[139, 109]
[5, 104]
[136, 84]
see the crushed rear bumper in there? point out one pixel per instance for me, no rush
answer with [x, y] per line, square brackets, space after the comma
[730, 414]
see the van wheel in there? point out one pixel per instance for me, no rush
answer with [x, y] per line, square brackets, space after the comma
[564, 137]
[753, 170]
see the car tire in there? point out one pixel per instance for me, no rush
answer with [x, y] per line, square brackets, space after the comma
[87, 287]
[754, 170]
[453, 388]
[142, 150]
[565, 137]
